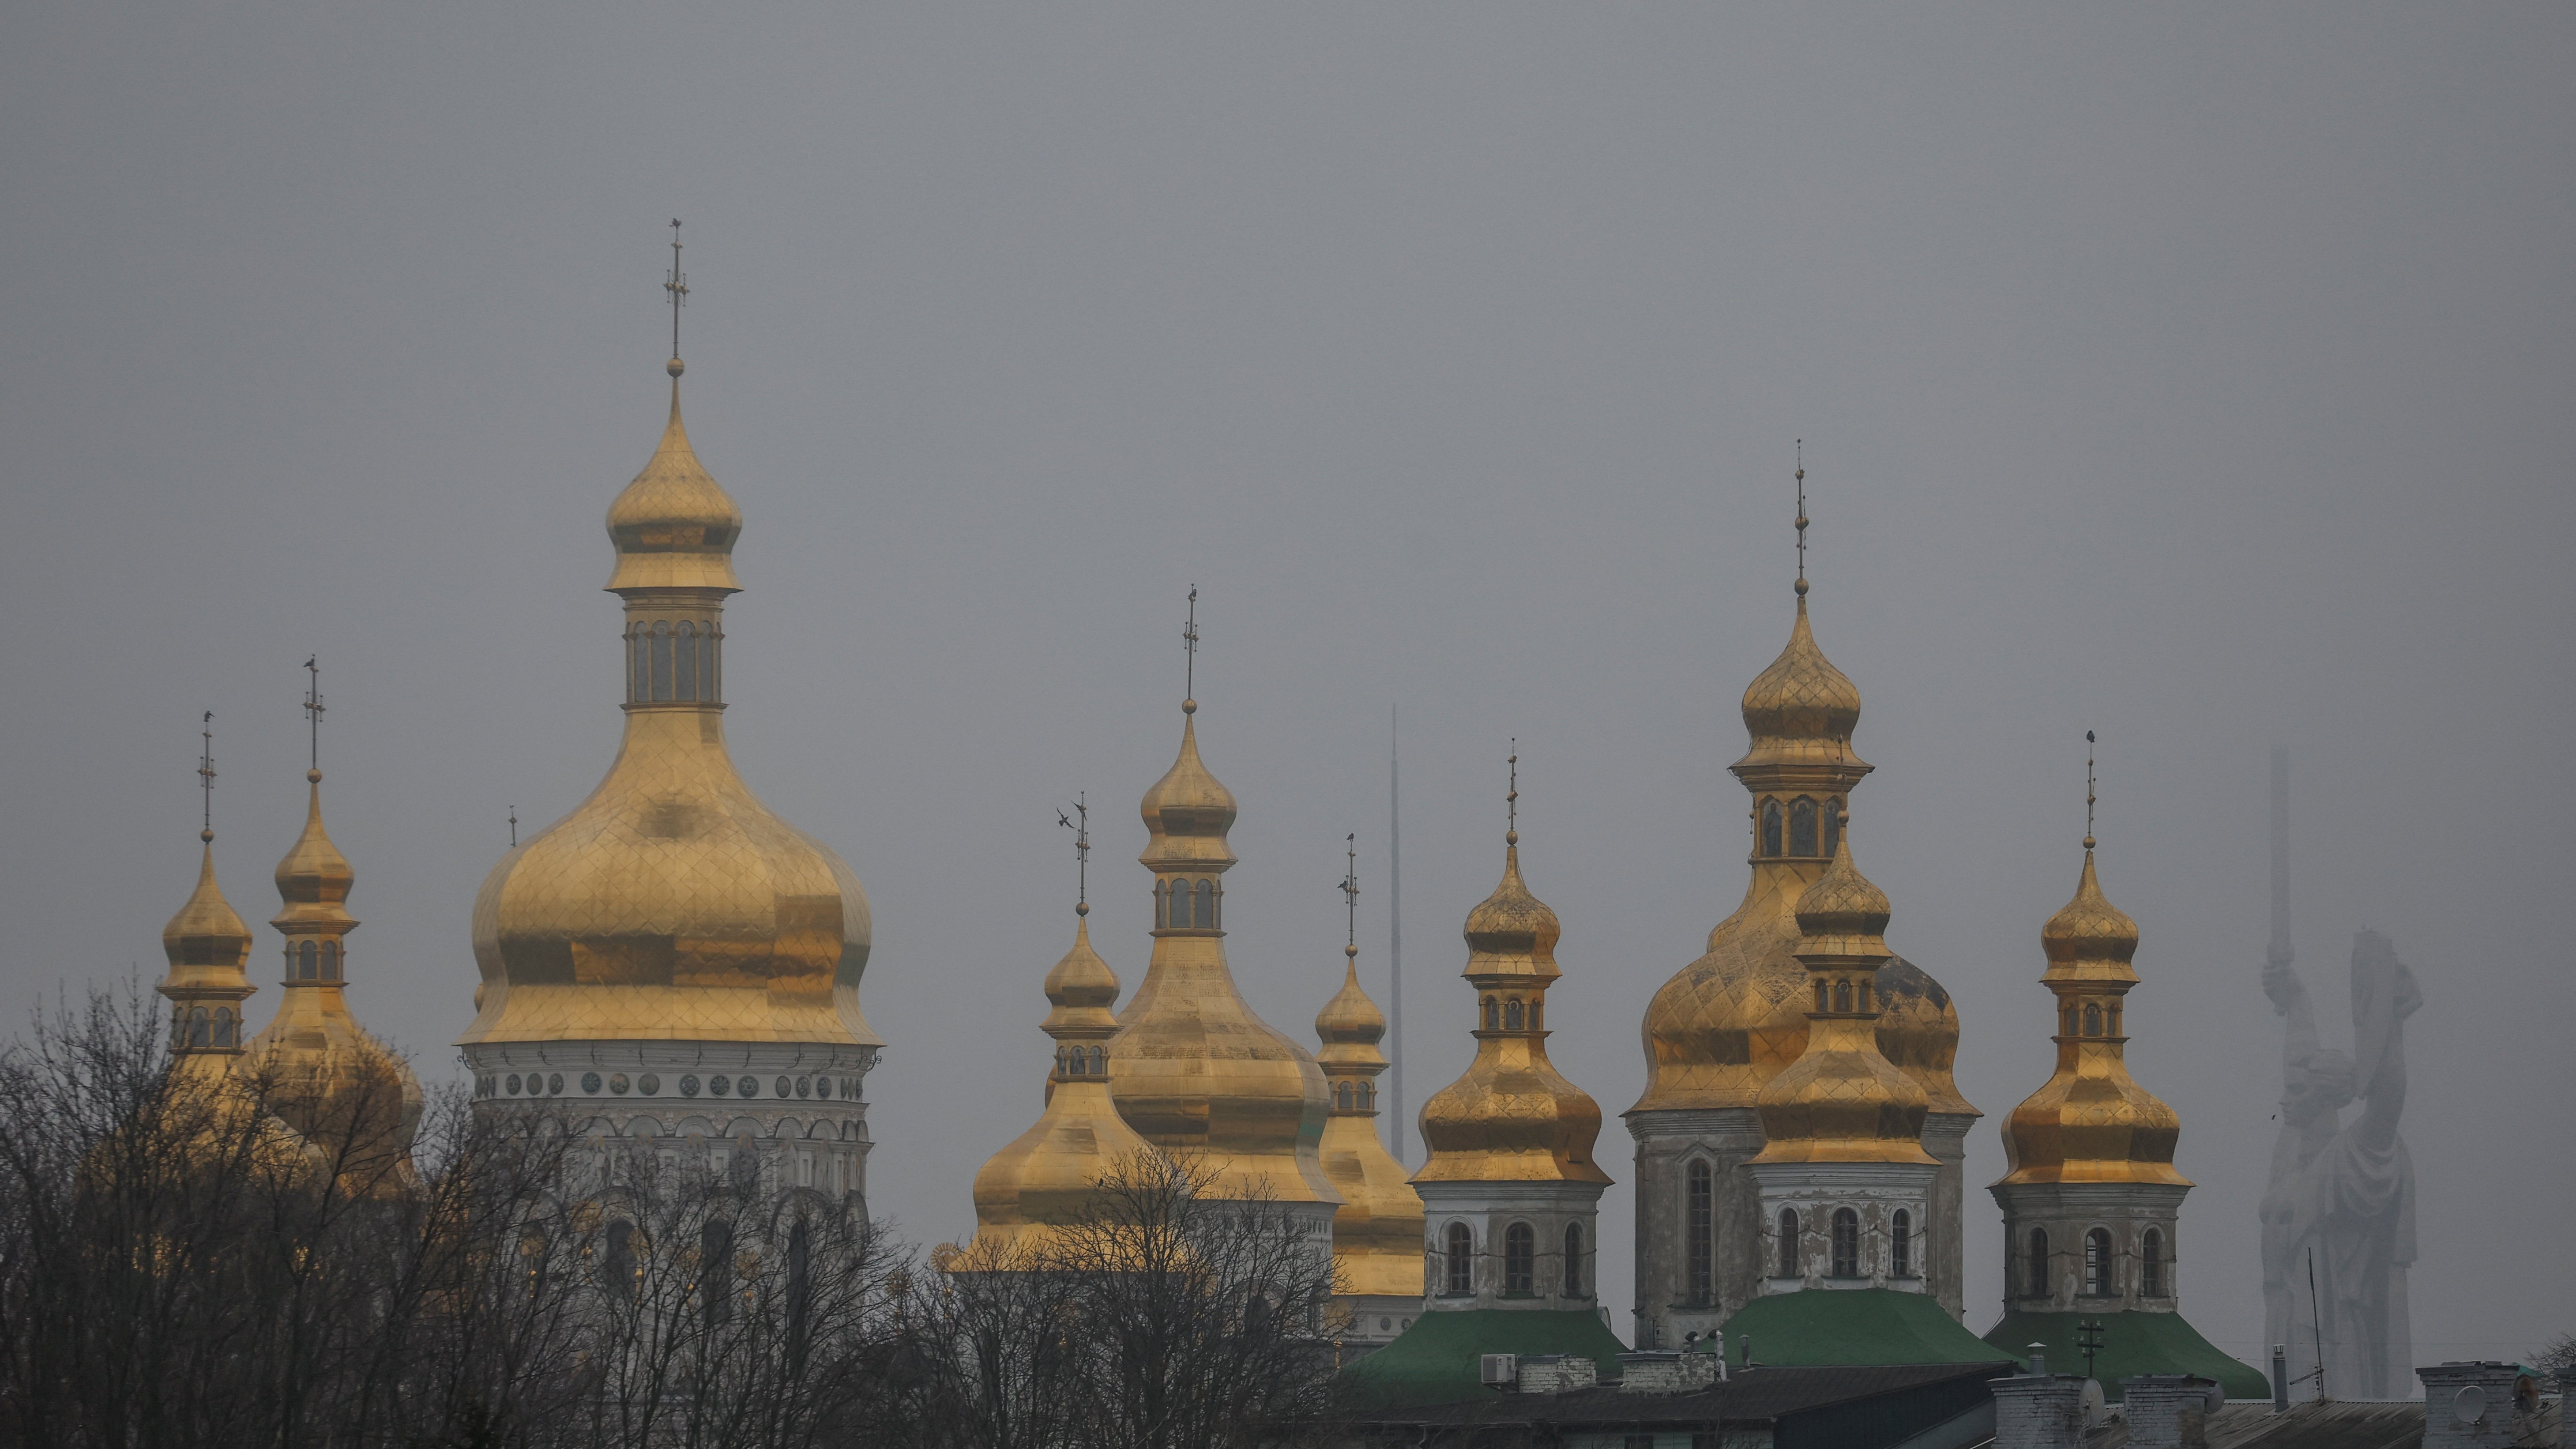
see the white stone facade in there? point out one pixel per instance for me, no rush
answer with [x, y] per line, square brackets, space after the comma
[1494, 1274]
[1859, 1224]
[2132, 1266]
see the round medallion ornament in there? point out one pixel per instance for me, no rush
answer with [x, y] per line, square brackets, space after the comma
[688, 1086]
[554, 1083]
[721, 1086]
[590, 1084]
[649, 1085]
[750, 1086]
[513, 1084]
[783, 1088]
[617, 1084]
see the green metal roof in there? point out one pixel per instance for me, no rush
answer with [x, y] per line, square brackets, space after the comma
[1853, 1326]
[1436, 1360]
[2132, 1343]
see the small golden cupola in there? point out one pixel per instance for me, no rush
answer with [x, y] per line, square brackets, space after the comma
[1510, 1191]
[1044, 1180]
[1377, 1231]
[1843, 1100]
[208, 945]
[1193, 1068]
[2092, 1122]
[327, 1077]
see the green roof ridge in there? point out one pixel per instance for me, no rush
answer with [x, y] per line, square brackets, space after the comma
[1436, 1361]
[1846, 1326]
[2133, 1342]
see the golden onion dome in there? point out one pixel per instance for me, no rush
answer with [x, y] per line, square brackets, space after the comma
[1802, 707]
[672, 904]
[1842, 1100]
[207, 941]
[328, 1077]
[2092, 1122]
[1512, 1116]
[674, 527]
[1918, 1030]
[1028, 1193]
[1192, 1068]
[1377, 1231]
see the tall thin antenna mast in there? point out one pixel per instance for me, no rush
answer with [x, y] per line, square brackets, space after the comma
[2279, 953]
[1394, 943]
[206, 775]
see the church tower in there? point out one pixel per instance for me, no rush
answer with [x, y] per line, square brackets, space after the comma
[1377, 1231]
[1726, 1024]
[327, 1077]
[671, 959]
[1510, 1190]
[208, 945]
[1192, 1069]
[2092, 1198]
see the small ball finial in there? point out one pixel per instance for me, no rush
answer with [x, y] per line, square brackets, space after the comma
[1801, 587]
[2088, 842]
[1189, 706]
[1351, 951]
[675, 367]
[207, 836]
[313, 777]
[1082, 908]
[1511, 837]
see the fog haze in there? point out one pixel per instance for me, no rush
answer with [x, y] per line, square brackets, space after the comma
[2201, 377]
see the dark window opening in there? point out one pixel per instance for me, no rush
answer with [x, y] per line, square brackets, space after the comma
[1462, 1260]
[1574, 1260]
[1699, 1220]
[1832, 828]
[1900, 1244]
[1770, 827]
[1520, 1255]
[661, 663]
[684, 661]
[2037, 1265]
[1846, 1259]
[1802, 827]
[1512, 1015]
[2092, 1019]
[1203, 915]
[2097, 1263]
[1788, 1243]
[2151, 1265]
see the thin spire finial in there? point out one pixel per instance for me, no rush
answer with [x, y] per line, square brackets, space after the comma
[1802, 517]
[1080, 824]
[2088, 789]
[1190, 656]
[677, 285]
[313, 716]
[206, 775]
[1351, 893]
[514, 827]
[1512, 800]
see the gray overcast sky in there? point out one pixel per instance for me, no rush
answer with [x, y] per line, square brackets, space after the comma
[2199, 376]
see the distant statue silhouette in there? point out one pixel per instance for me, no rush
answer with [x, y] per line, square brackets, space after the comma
[2341, 1202]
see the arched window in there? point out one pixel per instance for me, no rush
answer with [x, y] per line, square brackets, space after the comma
[1699, 1222]
[2151, 1265]
[1900, 1245]
[1075, 1062]
[2067, 1027]
[2097, 1263]
[1204, 915]
[1788, 1242]
[639, 668]
[305, 956]
[1770, 827]
[715, 1270]
[1574, 1275]
[330, 960]
[2037, 1266]
[1163, 903]
[1842, 995]
[684, 661]
[1341, 1096]
[1493, 1015]
[1461, 1266]
[1820, 997]
[1512, 1015]
[222, 1035]
[707, 666]
[661, 663]
[1368, 1096]
[1520, 1254]
[1802, 827]
[1846, 1260]
[1831, 828]
[197, 1027]
[2092, 1019]
[2111, 1022]
[1099, 1063]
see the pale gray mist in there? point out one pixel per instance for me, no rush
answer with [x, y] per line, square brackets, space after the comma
[2203, 377]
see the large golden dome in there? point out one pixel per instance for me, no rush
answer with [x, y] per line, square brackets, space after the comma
[1045, 1179]
[1512, 1116]
[1192, 1068]
[672, 904]
[2092, 1122]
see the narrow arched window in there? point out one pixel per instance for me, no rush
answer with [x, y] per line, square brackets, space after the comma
[198, 1027]
[639, 666]
[1512, 1015]
[715, 1270]
[707, 682]
[1368, 1096]
[1341, 1096]
[684, 661]
[1099, 1061]
[1162, 905]
[2066, 1027]
[305, 956]
[2092, 1019]
[2097, 1263]
[1830, 828]
[1699, 1224]
[1574, 1275]
[2151, 1265]
[222, 1035]
[1075, 1063]
[1493, 1015]
[330, 960]
[1520, 1259]
[661, 662]
[1900, 1245]
[1461, 1266]
[2037, 1266]
[1788, 1243]
[1842, 995]
[1846, 1259]
[2111, 1019]
[1204, 915]
[1802, 827]
[1770, 827]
